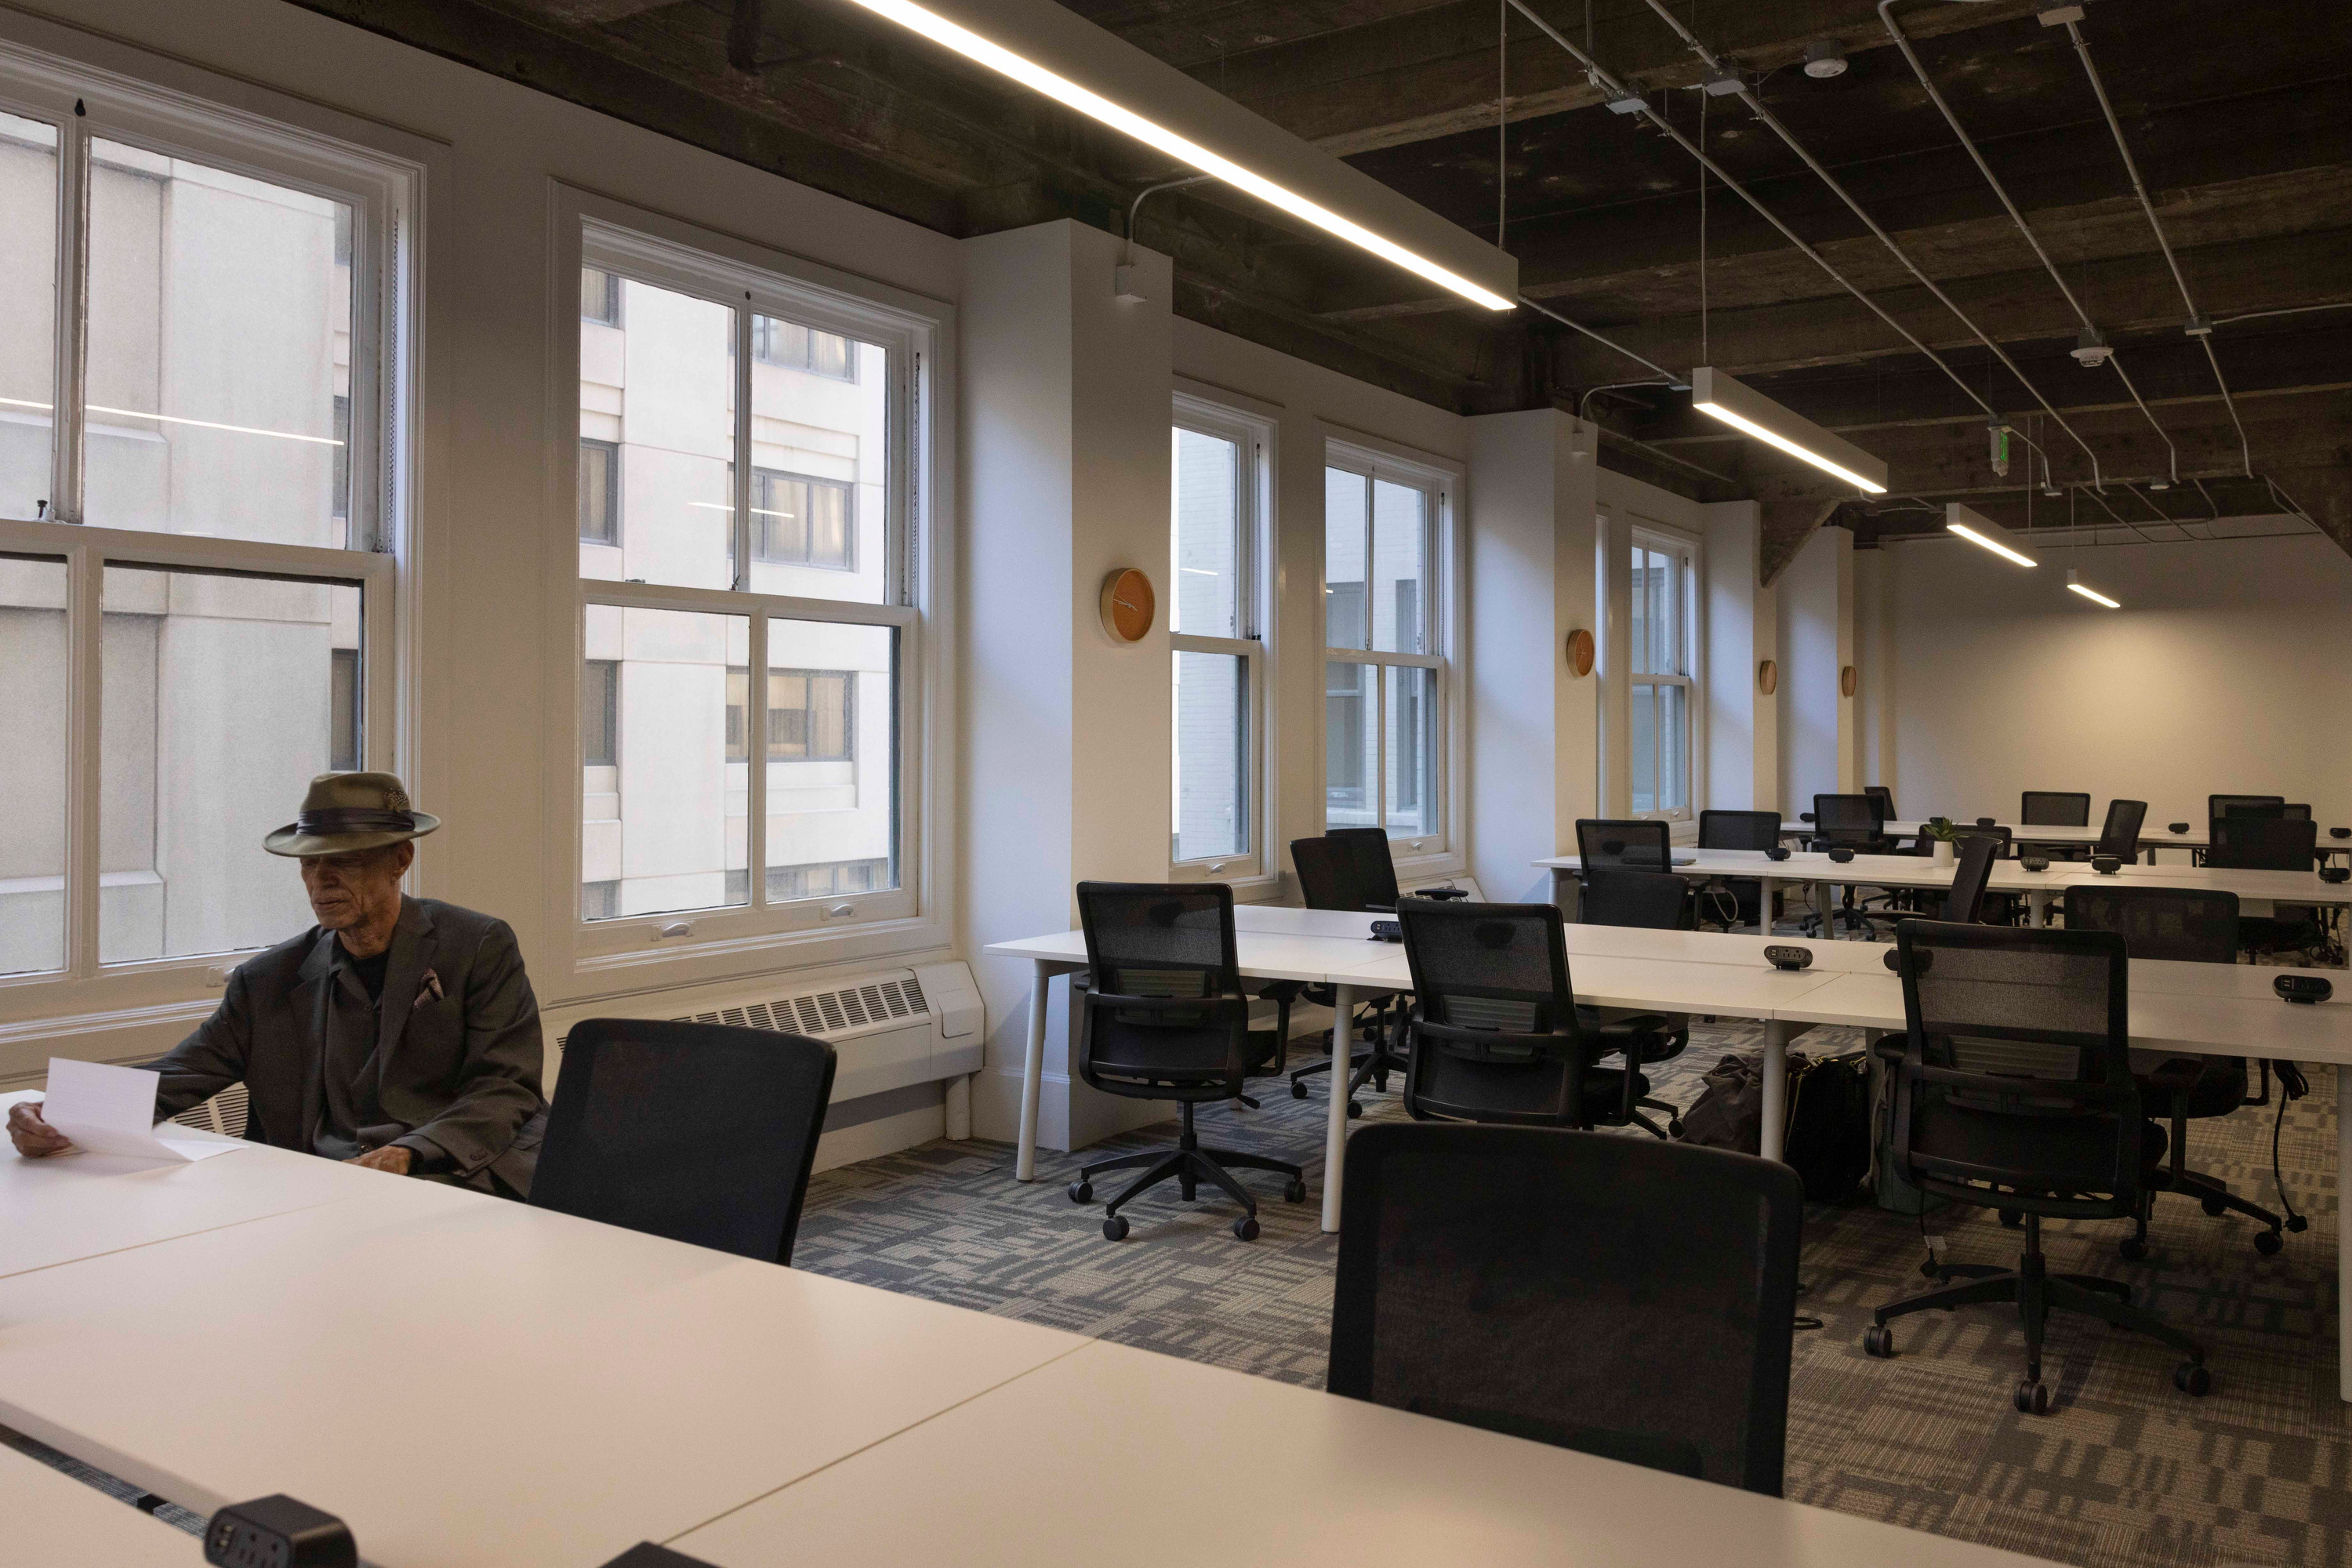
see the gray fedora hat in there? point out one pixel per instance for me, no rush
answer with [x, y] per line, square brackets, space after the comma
[343, 812]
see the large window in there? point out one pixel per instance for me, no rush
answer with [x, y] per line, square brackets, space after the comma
[1215, 542]
[1384, 727]
[747, 696]
[1662, 642]
[195, 576]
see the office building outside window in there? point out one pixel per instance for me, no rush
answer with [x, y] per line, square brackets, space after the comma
[1384, 728]
[1216, 567]
[200, 530]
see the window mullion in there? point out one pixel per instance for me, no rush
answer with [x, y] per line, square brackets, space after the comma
[755, 764]
[73, 300]
[85, 582]
[741, 499]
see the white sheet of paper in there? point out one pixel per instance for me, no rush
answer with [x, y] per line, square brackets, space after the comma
[110, 1110]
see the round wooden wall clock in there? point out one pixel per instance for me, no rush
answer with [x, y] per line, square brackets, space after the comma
[1128, 605]
[1579, 652]
[1768, 677]
[1847, 681]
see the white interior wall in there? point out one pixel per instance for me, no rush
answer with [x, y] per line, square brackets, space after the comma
[1816, 609]
[2229, 670]
[1740, 731]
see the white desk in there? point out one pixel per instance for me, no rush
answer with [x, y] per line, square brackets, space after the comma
[71, 1207]
[2152, 837]
[1816, 869]
[52, 1520]
[484, 1383]
[1365, 1487]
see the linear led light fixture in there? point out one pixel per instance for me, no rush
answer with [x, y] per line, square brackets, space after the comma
[1978, 529]
[1053, 50]
[1746, 410]
[2076, 584]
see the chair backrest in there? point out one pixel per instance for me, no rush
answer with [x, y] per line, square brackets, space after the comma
[1972, 859]
[2295, 812]
[1738, 829]
[1327, 877]
[2264, 843]
[1164, 1004]
[1612, 896]
[1610, 842]
[2119, 834]
[1375, 863]
[2218, 805]
[2054, 808]
[2195, 925]
[2015, 1088]
[2004, 843]
[1885, 799]
[1618, 1296]
[1848, 819]
[1498, 1038]
[700, 1132]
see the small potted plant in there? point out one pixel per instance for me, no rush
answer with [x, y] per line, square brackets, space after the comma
[1946, 836]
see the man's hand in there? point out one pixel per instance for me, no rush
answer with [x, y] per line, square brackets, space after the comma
[34, 1137]
[392, 1157]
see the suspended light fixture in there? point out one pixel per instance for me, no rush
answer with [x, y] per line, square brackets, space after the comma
[1978, 529]
[1051, 50]
[2076, 584]
[1751, 413]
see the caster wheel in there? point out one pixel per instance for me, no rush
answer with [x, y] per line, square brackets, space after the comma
[1298, 1092]
[1930, 1270]
[2133, 1248]
[2215, 1209]
[1380, 1082]
[2011, 1218]
[2267, 1243]
[2298, 1224]
[1673, 1127]
[1115, 1228]
[1878, 1340]
[2033, 1397]
[1354, 1110]
[1082, 1191]
[1296, 1193]
[1247, 1229]
[2192, 1379]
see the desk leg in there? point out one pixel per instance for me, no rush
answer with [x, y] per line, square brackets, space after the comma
[1764, 885]
[1335, 1133]
[2037, 903]
[1032, 1071]
[1776, 1089]
[1825, 901]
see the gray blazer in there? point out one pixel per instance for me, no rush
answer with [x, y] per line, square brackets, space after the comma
[457, 1060]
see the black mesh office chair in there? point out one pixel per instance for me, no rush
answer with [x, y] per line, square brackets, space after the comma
[2218, 806]
[2014, 1090]
[1375, 863]
[1658, 900]
[1500, 1037]
[1641, 845]
[1165, 1017]
[1963, 903]
[1619, 1298]
[2119, 834]
[2249, 843]
[1739, 830]
[1853, 821]
[1331, 875]
[1885, 799]
[2054, 808]
[2191, 926]
[700, 1132]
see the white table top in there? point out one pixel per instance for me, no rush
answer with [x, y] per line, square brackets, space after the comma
[70, 1206]
[1262, 955]
[1643, 985]
[2008, 876]
[2152, 836]
[1070, 1465]
[54, 1521]
[491, 1383]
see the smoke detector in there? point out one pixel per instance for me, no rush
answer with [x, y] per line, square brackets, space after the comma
[1824, 57]
[2091, 349]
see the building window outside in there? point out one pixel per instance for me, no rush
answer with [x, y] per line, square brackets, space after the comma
[1384, 739]
[1217, 653]
[600, 492]
[600, 713]
[230, 673]
[792, 525]
[1659, 738]
[600, 297]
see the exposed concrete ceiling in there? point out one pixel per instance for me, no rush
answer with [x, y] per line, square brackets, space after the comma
[2240, 119]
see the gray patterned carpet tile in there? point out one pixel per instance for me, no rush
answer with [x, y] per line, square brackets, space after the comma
[2126, 1471]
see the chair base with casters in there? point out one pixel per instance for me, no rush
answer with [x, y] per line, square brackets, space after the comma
[1381, 1055]
[2036, 1293]
[1189, 1164]
[2200, 1087]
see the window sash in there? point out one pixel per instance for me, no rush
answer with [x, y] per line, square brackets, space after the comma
[1677, 601]
[1251, 443]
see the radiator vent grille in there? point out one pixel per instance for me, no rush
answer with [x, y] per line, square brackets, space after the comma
[816, 1013]
[223, 1113]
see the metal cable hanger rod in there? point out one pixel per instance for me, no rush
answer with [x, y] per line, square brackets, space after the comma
[2139, 189]
[1720, 73]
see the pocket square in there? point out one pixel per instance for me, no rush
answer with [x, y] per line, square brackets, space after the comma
[428, 989]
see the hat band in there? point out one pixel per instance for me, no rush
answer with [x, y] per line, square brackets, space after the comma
[337, 820]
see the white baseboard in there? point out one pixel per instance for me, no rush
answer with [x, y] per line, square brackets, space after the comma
[883, 1135]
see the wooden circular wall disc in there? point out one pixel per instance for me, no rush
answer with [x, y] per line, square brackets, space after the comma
[1768, 677]
[1579, 652]
[1128, 605]
[1847, 680]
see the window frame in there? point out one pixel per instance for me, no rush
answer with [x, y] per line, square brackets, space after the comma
[1684, 550]
[286, 146]
[1439, 851]
[917, 333]
[1253, 437]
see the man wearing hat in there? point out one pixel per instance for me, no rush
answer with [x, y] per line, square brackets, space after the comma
[398, 1032]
